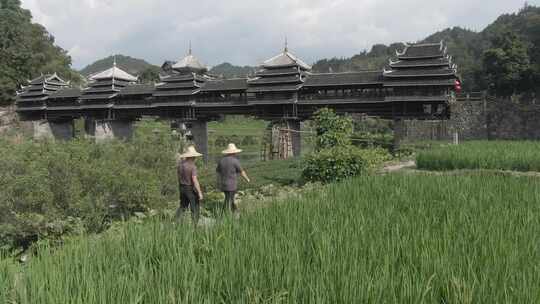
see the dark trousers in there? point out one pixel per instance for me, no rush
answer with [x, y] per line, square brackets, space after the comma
[188, 199]
[229, 204]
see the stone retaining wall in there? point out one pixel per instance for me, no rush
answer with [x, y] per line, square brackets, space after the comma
[480, 117]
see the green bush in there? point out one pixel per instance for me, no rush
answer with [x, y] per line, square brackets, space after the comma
[336, 158]
[330, 165]
[248, 140]
[53, 189]
[332, 130]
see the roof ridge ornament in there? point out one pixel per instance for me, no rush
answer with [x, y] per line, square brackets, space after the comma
[286, 49]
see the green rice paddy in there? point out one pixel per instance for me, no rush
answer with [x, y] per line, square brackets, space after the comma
[497, 155]
[374, 239]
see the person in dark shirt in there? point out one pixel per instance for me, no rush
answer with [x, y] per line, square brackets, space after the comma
[190, 189]
[228, 170]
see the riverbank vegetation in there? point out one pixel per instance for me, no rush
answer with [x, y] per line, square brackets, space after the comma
[53, 189]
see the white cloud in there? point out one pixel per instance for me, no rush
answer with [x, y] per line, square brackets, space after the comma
[249, 31]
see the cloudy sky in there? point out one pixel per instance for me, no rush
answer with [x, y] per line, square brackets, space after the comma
[245, 32]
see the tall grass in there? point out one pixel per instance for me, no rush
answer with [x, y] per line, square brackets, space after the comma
[503, 155]
[384, 239]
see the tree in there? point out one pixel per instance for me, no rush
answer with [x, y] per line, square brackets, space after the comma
[149, 75]
[26, 50]
[507, 64]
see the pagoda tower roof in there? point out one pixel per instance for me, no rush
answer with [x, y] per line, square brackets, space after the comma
[189, 63]
[107, 84]
[114, 72]
[40, 88]
[285, 59]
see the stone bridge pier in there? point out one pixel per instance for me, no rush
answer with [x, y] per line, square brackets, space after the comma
[199, 133]
[54, 130]
[104, 130]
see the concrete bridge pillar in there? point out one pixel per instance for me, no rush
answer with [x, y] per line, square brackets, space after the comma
[53, 130]
[199, 131]
[104, 130]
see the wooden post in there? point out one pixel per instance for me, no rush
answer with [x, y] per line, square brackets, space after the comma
[456, 138]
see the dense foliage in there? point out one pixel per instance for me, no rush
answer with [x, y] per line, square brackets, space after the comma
[333, 131]
[335, 158]
[339, 163]
[503, 155]
[52, 189]
[26, 50]
[376, 239]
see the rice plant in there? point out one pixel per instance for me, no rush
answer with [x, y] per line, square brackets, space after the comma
[382, 239]
[501, 155]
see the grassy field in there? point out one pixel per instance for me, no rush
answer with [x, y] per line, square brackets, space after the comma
[500, 155]
[376, 239]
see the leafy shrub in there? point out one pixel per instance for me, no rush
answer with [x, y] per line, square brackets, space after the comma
[332, 130]
[336, 164]
[336, 158]
[221, 141]
[53, 189]
[248, 141]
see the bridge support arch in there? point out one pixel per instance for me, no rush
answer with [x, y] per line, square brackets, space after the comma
[53, 130]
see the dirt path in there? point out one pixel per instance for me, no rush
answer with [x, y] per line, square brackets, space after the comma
[410, 164]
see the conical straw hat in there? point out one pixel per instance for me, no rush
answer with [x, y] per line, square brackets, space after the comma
[231, 149]
[190, 152]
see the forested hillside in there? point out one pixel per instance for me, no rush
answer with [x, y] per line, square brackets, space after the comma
[228, 70]
[26, 50]
[504, 57]
[129, 64]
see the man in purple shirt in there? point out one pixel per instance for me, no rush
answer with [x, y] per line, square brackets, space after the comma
[228, 170]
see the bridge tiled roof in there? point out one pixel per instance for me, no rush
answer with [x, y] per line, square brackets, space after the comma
[430, 62]
[420, 73]
[273, 80]
[277, 72]
[419, 82]
[426, 50]
[274, 88]
[169, 93]
[66, 93]
[344, 79]
[178, 85]
[238, 84]
[138, 89]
